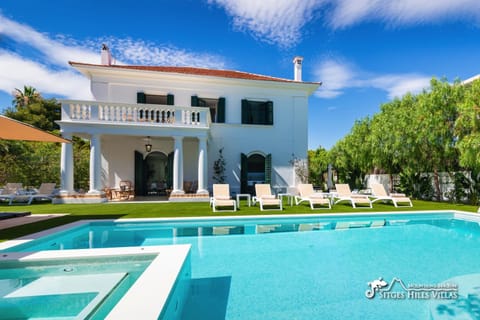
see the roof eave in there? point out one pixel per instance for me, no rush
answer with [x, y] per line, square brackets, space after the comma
[85, 68]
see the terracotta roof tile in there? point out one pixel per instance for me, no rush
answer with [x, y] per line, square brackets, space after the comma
[196, 71]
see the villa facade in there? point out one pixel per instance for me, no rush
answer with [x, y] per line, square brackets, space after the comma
[163, 128]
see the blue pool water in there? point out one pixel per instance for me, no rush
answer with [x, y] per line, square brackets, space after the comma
[67, 289]
[300, 268]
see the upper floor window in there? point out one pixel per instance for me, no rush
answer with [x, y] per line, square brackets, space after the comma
[257, 112]
[216, 106]
[167, 99]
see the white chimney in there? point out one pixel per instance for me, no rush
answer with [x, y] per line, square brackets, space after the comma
[106, 56]
[297, 68]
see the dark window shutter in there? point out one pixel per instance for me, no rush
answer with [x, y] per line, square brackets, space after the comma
[141, 97]
[268, 168]
[194, 101]
[245, 111]
[170, 100]
[139, 175]
[221, 110]
[243, 173]
[170, 171]
[269, 113]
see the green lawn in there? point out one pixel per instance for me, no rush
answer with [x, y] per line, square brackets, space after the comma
[127, 210]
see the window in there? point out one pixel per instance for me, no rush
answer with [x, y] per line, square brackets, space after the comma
[216, 106]
[155, 98]
[257, 112]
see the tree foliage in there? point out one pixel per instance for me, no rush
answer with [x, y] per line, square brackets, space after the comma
[352, 155]
[433, 131]
[318, 161]
[30, 107]
[32, 163]
[467, 127]
[24, 98]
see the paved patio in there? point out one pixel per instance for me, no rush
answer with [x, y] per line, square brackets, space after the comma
[17, 221]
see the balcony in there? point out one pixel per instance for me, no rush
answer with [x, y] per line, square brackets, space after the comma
[135, 114]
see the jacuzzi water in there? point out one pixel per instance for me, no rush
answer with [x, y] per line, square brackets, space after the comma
[85, 288]
[308, 268]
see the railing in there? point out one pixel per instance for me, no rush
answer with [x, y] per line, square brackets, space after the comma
[162, 115]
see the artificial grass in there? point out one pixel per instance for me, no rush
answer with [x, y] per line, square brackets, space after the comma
[126, 210]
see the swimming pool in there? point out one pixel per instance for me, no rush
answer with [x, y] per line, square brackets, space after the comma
[307, 267]
[102, 284]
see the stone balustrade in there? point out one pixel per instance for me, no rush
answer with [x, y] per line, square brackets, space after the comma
[109, 112]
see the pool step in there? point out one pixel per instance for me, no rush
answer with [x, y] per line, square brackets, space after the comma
[359, 224]
[68, 296]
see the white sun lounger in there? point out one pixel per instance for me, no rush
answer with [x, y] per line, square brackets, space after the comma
[221, 198]
[46, 191]
[315, 199]
[379, 193]
[263, 195]
[11, 191]
[344, 194]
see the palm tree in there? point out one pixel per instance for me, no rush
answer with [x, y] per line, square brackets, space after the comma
[27, 96]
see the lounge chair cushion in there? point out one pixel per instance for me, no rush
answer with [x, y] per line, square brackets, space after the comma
[267, 197]
[401, 195]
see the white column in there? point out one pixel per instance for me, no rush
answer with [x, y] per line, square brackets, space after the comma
[178, 166]
[95, 164]
[66, 166]
[202, 166]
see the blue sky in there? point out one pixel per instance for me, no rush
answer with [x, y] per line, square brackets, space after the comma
[364, 52]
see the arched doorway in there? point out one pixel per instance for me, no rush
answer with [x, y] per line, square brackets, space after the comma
[255, 168]
[156, 173]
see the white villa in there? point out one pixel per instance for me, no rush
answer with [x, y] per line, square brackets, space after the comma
[162, 128]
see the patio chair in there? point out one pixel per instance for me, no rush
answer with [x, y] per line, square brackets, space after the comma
[126, 191]
[46, 191]
[379, 193]
[344, 194]
[10, 191]
[263, 195]
[306, 193]
[221, 198]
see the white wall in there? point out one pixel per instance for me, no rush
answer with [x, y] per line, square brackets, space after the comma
[118, 159]
[287, 137]
[247, 139]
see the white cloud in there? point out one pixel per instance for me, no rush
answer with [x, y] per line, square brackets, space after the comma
[50, 73]
[273, 21]
[148, 53]
[345, 13]
[281, 22]
[17, 72]
[400, 84]
[53, 51]
[335, 77]
[338, 76]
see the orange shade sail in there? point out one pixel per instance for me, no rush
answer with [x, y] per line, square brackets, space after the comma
[11, 129]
